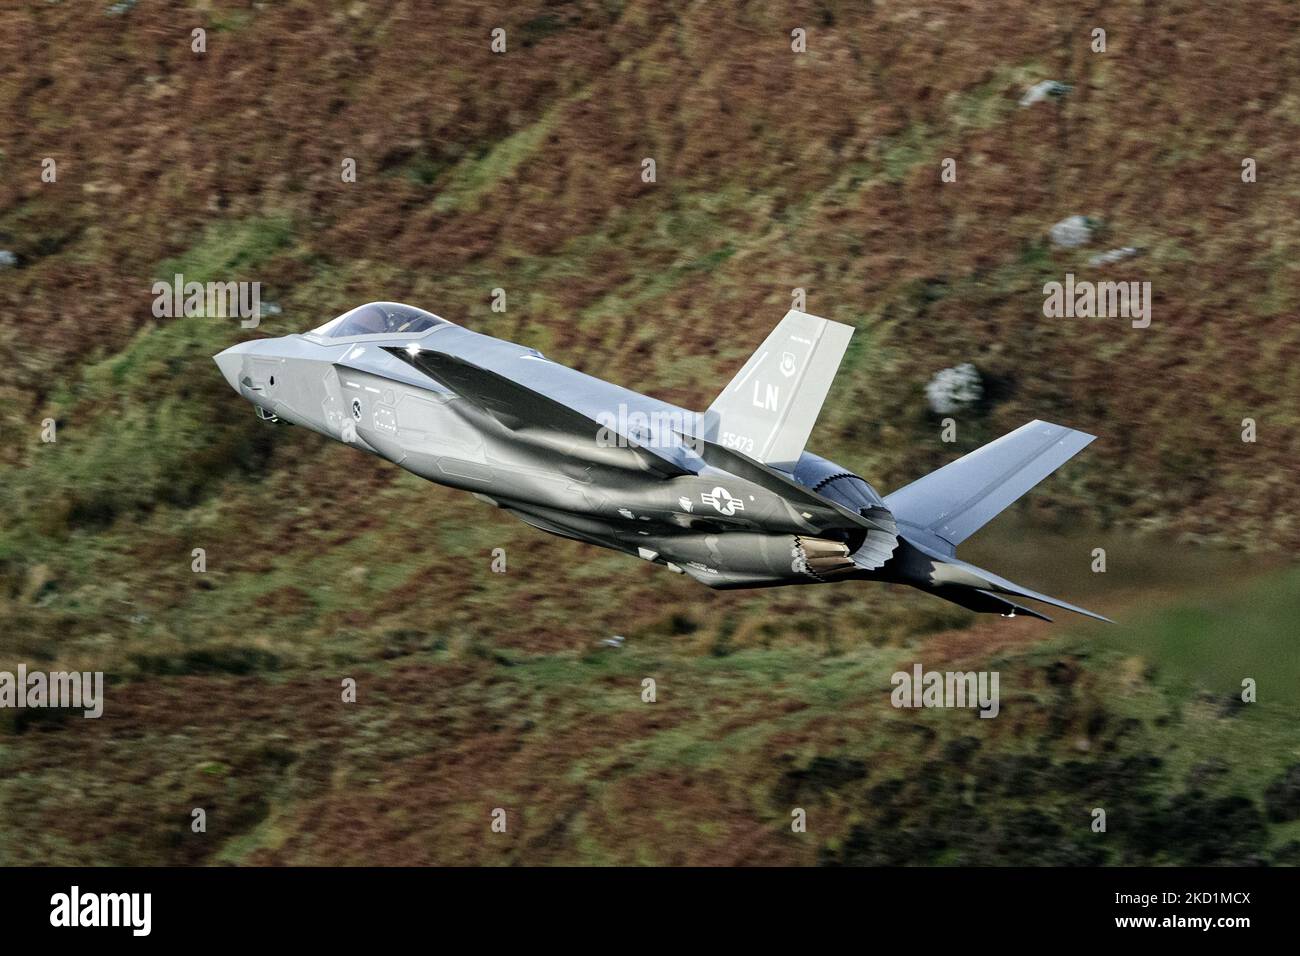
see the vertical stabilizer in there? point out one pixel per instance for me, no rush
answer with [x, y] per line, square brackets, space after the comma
[768, 410]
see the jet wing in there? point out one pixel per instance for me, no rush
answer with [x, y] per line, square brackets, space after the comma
[520, 408]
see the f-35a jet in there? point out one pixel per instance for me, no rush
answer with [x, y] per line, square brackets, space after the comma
[728, 496]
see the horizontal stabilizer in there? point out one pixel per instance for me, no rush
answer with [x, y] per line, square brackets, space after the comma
[960, 498]
[949, 574]
[769, 409]
[1003, 586]
[986, 602]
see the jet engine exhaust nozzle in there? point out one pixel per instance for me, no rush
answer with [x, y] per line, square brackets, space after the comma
[822, 558]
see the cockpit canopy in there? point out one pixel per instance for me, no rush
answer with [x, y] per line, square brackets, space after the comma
[380, 318]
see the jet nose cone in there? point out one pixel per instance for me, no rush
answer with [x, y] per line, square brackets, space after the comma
[231, 363]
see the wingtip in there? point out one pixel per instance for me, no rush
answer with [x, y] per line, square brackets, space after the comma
[1084, 611]
[1066, 430]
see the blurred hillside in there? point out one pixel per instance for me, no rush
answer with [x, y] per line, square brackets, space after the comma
[522, 171]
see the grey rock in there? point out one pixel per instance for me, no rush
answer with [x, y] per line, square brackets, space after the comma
[1113, 256]
[953, 389]
[1073, 232]
[1041, 91]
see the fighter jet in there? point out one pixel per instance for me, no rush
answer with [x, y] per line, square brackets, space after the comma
[728, 496]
